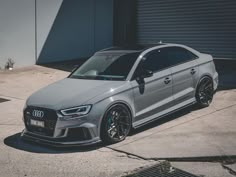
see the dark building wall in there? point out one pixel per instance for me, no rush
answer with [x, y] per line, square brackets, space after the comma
[46, 12]
[80, 28]
[206, 25]
[124, 32]
[103, 24]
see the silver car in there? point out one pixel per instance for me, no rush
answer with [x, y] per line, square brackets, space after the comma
[118, 89]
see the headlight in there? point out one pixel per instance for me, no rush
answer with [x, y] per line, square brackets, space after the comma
[77, 111]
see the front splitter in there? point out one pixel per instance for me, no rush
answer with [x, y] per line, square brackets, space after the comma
[55, 143]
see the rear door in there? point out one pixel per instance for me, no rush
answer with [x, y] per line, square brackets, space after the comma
[153, 94]
[184, 73]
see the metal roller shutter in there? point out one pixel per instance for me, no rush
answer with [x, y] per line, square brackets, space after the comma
[206, 25]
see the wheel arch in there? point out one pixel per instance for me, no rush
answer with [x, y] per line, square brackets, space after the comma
[124, 103]
[201, 78]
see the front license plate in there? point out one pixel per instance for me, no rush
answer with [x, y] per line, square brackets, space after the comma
[37, 123]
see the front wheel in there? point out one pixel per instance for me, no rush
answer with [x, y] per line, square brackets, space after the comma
[116, 124]
[205, 92]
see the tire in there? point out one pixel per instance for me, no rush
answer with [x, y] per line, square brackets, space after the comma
[205, 92]
[116, 124]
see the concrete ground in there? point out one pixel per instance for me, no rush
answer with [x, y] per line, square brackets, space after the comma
[200, 141]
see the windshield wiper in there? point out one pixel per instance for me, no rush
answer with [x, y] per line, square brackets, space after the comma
[78, 77]
[98, 77]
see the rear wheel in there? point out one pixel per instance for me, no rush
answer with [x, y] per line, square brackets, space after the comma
[205, 92]
[116, 124]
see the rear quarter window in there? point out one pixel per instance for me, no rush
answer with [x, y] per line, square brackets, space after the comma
[178, 55]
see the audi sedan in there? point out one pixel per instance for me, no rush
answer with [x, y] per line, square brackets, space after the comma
[118, 89]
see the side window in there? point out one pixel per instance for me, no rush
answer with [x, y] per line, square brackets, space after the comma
[155, 60]
[177, 55]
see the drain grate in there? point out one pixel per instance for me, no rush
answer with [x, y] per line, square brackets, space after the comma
[163, 169]
[3, 100]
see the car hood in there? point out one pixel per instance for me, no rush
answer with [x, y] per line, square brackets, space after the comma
[70, 92]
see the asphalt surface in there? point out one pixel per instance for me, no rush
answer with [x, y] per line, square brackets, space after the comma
[200, 141]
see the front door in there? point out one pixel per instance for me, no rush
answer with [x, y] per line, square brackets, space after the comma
[152, 95]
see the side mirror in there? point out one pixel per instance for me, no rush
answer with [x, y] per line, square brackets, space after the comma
[147, 73]
[144, 73]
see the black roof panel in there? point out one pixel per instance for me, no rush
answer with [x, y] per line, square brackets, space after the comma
[131, 47]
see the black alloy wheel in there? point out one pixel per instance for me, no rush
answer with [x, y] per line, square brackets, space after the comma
[116, 124]
[205, 92]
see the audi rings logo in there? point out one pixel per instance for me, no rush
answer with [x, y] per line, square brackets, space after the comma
[37, 113]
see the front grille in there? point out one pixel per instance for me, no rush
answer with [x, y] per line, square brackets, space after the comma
[49, 119]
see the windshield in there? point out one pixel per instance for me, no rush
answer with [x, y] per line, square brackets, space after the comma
[106, 67]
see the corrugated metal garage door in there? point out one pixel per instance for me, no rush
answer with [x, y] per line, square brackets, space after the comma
[206, 25]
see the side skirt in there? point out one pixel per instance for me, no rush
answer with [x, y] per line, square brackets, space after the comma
[164, 113]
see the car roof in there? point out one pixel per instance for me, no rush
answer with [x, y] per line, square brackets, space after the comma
[142, 48]
[130, 48]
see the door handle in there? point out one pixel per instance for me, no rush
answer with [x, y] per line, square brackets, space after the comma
[167, 80]
[193, 71]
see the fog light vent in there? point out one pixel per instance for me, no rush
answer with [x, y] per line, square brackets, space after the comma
[78, 134]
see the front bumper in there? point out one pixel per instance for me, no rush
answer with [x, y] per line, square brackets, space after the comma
[58, 131]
